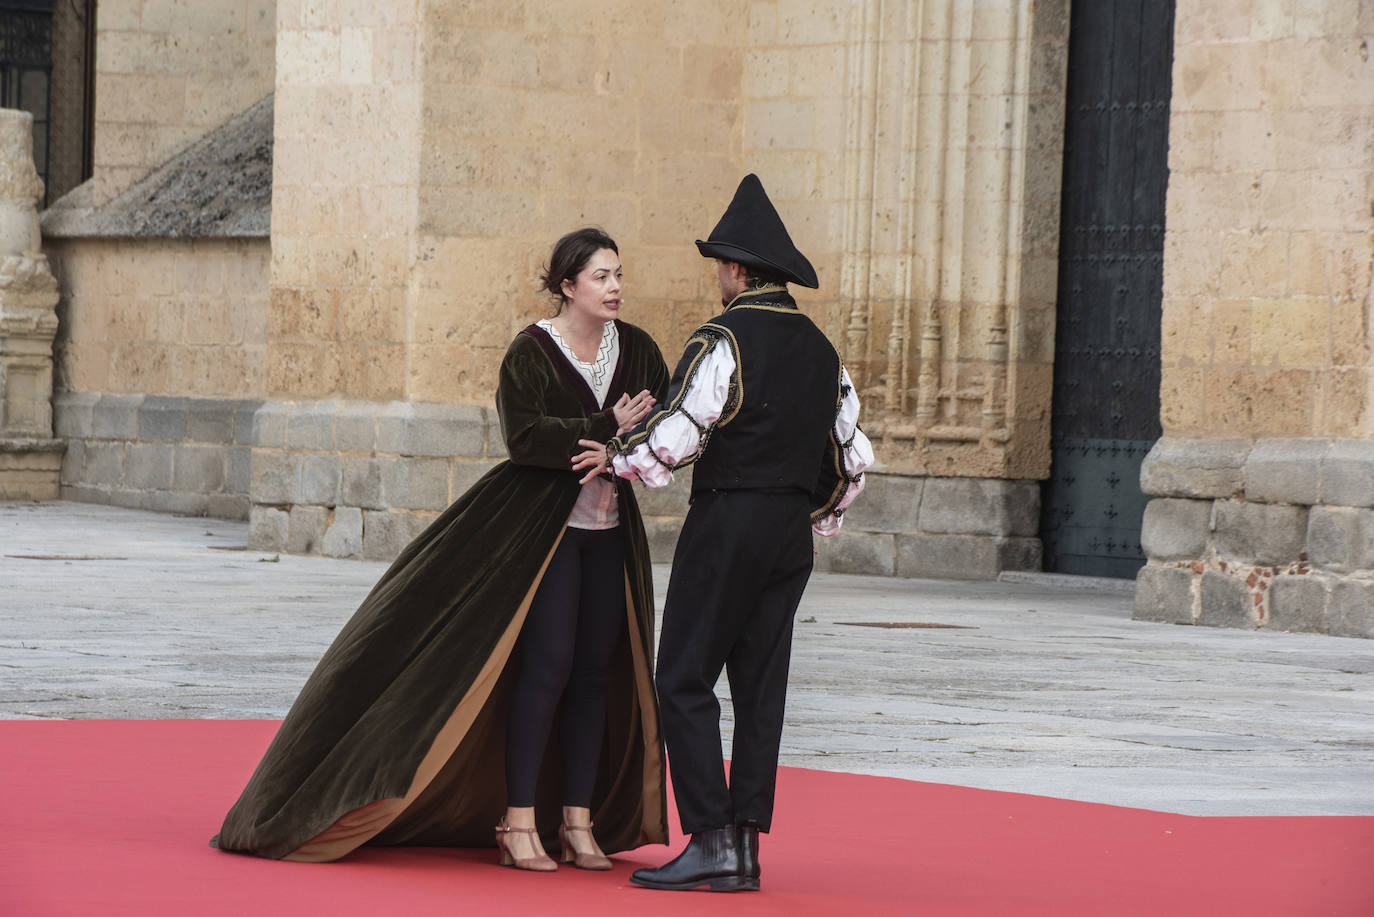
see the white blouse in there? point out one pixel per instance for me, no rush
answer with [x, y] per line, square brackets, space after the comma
[675, 439]
[596, 506]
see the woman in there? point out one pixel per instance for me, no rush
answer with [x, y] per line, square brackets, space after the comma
[459, 653]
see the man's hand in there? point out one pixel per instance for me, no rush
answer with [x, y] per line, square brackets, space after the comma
[594, 459]
[630, 411]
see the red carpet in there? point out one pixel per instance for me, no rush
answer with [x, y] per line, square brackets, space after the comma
[112, 817]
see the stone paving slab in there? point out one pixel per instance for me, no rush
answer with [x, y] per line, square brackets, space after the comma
[1039, 685]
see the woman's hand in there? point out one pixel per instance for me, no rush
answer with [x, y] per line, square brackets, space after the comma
[630, 411]
[594, 459]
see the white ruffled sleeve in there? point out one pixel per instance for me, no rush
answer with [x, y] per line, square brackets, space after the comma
[856, 455]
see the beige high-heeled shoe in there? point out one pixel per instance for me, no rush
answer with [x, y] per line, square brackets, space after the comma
[580, 860]
[540, 863]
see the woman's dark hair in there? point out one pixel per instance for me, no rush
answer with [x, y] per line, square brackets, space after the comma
[570, 255]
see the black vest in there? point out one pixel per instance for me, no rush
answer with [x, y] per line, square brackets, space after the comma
[788, 390]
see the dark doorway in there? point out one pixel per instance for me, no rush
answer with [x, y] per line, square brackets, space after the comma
[1111, 265]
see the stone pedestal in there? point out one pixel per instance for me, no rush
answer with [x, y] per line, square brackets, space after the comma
[30, 458]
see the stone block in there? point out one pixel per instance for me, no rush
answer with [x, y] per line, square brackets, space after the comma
[386, 534]
[361, 482]
[1351, 608]
[979, 506]
[116, 417]
[1285, 471]
[437, 430]
[1341, 538]
[240, 471]
[975, 557]
[494, 436]
[1348, 473]
[269, 424]
[73, 462]
[104, 465]
[149, 466]
[227, 506]
[1298, 603]
[167, 501]
[662, 532]
[210, 420]
[319, 482]
[665, 501]
[871, 553]
[311, 426]
[1175, 529]
[1194, 468]
[889, 503]
[306, 528]
[1164, 594]
[275, 476]
[245, 429]
[355, 427]
[1260, 533]
[1225, 602]
[162, 419]
[413, 483]
[464, 474]
[267, 528]
[72, 414]
[344, 536]
[199, 469]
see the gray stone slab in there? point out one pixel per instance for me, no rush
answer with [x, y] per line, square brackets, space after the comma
[306, 527]
[104, 464]
[1194, 468]
[276, 476]
[73, 462]
[199, 469]
[1176, 529]
[227, 506]
[166, 501]
[1165, 594]
[116, 417]
[979, 506]
[1351, 608]
[889, 503]
[149, 466]
[72, 414]
[1225, 602]
[319, 483]
[267, 528]
[311, 426]
[662, 533]
[465, 473]
[361, 481]
[386, 533]
[211, 420]
[355, 426]
[1260, 533]
[1285, 471]
[245, 424]
[433, 430]
[162, 419]
[270, 422]
[1348, 473]
[1298, 604]
[1341, 538]
[972, 557]
[868, 553]
[344, 536]
[492, 433]
[672, 500]
[240, 471]
[415, 483]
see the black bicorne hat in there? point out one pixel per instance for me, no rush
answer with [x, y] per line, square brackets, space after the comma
[751, 233]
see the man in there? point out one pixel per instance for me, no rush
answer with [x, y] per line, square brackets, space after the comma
[762, 405]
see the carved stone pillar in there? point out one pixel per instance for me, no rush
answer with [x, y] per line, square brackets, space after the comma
[30, 458]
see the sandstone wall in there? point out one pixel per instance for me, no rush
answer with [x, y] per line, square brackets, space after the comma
[169, 71]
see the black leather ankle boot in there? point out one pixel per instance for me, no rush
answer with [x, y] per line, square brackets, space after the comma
[711, 859]
[749, 854]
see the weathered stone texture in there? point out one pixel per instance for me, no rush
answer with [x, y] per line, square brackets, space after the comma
[964, 556]
[306, 529]
[1285, 471]
[1351, 609]
[1298, 603]
[1176, 529]
[1260, 533]
[1164, 594]
[1225, 601]
[1198, 469]
[344, 537]
[873, 554]
[889, 503]
[1341, 539]
[1348, 473]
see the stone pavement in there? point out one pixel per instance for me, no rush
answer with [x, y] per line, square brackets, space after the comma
[1040, 685]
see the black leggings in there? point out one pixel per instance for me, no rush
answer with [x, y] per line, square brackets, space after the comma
[574, 621]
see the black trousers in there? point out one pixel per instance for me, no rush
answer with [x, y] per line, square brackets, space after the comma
[569, 634]
[740, 568]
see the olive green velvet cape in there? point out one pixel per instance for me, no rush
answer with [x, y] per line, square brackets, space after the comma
[398, 737]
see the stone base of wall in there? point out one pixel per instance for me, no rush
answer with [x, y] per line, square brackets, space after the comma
[1278, 534]
[30, 469]
[174, 455]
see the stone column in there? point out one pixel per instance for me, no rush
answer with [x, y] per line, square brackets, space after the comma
[30, 458]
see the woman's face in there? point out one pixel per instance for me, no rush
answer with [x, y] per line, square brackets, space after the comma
[595, 293]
